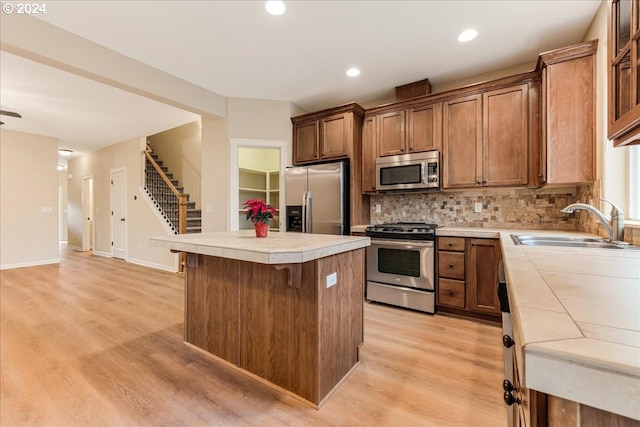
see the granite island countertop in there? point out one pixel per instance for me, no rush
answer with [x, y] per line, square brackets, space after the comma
[576, 317]
[276, 248]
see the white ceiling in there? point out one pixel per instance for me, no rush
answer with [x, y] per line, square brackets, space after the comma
[236, 49]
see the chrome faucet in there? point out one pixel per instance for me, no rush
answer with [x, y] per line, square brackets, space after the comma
[615, 227]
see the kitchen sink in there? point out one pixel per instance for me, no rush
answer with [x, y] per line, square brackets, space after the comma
[570, 242]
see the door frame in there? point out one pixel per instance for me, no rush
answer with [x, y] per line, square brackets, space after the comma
[126, 211]
[235, 145]
[88, 239]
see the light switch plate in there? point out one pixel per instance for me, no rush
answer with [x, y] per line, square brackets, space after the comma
[478, 207]
[378, 208]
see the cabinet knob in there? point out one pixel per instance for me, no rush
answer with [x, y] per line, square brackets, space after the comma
[477, 182]
[510, 399]
[450, 244]
[450, 292]
[484, 182]
[540, 175]
[507, 386]
[473, 244]
[507, 341]
[450, 265]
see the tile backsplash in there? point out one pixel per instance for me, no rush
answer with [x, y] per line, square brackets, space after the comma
[501, 208]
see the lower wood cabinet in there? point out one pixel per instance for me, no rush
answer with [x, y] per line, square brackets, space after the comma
[467, 276]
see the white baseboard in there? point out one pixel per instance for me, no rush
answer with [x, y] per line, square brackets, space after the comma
[74, 248]
[170, 269]
[30, 264]
[103, 254]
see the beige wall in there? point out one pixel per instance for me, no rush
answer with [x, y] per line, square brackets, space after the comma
[246, 118]
[142, 221]
[180, 149]
[28, 199]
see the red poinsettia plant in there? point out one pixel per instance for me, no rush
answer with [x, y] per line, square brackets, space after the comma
[259, 211]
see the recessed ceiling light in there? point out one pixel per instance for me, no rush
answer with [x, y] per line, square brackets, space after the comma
[467, 35]
[65, 152]
[61, 167]
[352, 72]
[275, 7]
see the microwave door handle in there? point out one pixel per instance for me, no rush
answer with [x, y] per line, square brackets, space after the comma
[424, 170]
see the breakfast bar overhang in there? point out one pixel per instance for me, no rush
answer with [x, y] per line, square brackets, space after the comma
[288, 308]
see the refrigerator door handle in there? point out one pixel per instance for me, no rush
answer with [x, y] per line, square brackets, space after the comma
[307, 212]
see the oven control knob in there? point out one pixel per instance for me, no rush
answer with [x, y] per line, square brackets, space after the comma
[510, 399]
[507, 341]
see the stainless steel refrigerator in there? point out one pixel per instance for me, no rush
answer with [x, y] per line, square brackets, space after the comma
[317, 198]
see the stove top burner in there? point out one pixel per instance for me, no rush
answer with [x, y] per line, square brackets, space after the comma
[403, 230]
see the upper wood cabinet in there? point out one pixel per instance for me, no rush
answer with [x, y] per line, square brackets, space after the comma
[327, 134]
[424, 124]
[369, 154]
[411, 130]
[462, 142]
[485, 139]
[624, 72]
[335, 134]
[568, 118]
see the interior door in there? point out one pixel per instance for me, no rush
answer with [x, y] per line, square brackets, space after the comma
[118, 214]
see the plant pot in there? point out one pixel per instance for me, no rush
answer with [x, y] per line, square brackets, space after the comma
[261, 229]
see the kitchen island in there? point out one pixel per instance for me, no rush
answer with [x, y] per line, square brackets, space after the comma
[287, 309]
[576, 325]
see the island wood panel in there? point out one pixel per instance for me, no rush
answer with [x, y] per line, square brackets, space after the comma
[278, 327]
[340, 317]
[281, 324]
[211, 305]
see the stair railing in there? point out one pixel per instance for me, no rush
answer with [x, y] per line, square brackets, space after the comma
[168, 191]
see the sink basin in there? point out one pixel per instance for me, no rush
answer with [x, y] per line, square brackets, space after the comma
[570, 242]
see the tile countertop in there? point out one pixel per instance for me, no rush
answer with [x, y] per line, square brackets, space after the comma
[276, 248]
[576, 317]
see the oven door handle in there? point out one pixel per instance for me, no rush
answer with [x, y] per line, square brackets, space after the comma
[393, 242]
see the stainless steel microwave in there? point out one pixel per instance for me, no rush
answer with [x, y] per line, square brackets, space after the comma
[419, 171]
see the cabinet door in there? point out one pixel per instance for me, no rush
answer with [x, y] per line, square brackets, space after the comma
[391, 133]
[505, 136]
[335, 134]
[369, 154]
[306, 137]
[570, 120]
[483, 258]
[425, 128]
[462, 142]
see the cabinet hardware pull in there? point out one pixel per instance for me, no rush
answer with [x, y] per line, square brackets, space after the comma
[450, 265]
[507, 386]
[473, 244]
[484, 182]
[450, 292]
[510, 399]
[507, 341]
[450, 244]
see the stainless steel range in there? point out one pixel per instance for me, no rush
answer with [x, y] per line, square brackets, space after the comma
[400, 265]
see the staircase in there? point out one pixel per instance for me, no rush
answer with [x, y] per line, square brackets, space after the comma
[169, 199]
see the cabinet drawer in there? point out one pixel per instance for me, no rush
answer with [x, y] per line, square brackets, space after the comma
[451, 244]
[451, 265]
[451, 292]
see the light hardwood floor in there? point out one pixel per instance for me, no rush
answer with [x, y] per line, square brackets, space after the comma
[98, 342]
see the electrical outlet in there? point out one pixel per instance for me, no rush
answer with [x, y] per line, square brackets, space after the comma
[378, 208]
[478, 207]
[332, 279]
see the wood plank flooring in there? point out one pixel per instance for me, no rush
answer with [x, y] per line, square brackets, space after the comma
[98, 342]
